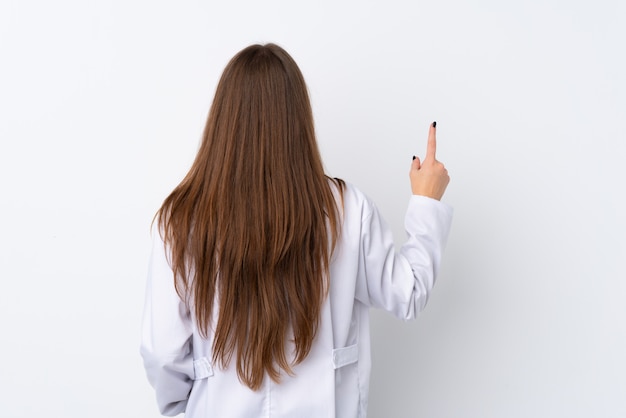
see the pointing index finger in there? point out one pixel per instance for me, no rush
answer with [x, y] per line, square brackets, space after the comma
[431, 147]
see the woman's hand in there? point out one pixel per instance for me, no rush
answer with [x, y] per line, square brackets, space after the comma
[430, 177]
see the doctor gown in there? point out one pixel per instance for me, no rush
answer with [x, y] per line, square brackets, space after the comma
[333, 380]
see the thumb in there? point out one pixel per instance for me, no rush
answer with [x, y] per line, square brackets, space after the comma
[416, 163]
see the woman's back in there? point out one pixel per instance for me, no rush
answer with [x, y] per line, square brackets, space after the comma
[263, 269]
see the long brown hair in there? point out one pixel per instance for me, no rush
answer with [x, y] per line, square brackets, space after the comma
[252, 226]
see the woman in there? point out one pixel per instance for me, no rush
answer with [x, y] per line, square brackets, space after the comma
[263, 269]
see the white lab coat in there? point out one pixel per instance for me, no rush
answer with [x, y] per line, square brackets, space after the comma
[333, 380]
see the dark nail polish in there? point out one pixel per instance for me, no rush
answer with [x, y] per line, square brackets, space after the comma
[414, 157]
[434, 124]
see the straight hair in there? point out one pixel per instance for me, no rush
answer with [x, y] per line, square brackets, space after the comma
[252, 226]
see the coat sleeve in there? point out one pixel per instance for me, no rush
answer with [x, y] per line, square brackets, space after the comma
[166, 335]
[400, 282]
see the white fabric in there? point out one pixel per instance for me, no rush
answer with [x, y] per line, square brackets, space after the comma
[333, 380]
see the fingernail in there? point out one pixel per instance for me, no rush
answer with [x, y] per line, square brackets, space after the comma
[434, 124]
[414, 157]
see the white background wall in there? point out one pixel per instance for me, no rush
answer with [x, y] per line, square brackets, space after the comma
[102, 104]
